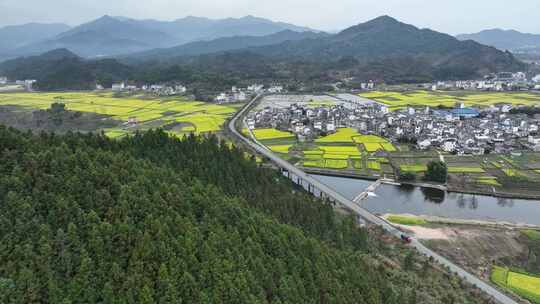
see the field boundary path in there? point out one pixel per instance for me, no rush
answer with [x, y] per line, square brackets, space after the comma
[301, 176]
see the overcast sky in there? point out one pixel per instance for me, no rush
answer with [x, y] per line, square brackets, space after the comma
[450, 16]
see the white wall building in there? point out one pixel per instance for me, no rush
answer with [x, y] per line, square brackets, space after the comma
[221, 98]
[535, 140]
[330, 127]
[180, 89]
[449, 146]
[424, 144]
[275, 89]
[256, 88]
[118, 86]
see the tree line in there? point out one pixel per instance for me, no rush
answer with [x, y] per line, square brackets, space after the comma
[156, 219]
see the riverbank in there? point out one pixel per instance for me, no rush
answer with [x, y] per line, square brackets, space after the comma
[497, 194]
[447, 188]
[469, 208]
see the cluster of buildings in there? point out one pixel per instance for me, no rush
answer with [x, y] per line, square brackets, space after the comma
[158, 89]
[460, 130]
[20, 84]
[242, 94]
[494, 82]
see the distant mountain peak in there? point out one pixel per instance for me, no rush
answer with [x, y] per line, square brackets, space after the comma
[60, 53]
[106, 19]
[379, 24]
[111, 35]
[505, 39]
[251, 17]
[384, 19]
[191, 17]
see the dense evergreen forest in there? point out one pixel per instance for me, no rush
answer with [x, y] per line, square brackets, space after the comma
[156, 219]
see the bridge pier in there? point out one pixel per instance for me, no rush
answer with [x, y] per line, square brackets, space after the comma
[308, 186]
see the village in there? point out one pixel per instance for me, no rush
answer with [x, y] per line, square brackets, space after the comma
[499, 82]
[461, 130]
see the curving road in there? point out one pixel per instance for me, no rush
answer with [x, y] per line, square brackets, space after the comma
[496, 294]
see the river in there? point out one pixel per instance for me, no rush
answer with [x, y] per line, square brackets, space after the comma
[431, 202]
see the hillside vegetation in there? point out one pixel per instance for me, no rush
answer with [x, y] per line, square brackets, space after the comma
[155, 219]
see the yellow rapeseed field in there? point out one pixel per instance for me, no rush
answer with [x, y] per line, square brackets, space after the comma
[398, 100]
[203, 117]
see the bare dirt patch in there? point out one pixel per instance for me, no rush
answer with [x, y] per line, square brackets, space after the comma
[477, 248]
[425, 233]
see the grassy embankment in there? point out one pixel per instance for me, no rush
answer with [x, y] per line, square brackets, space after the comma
[406, 220]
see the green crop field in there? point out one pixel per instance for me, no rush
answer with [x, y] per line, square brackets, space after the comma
[362, 139]
[336, 156]
[115, 133]
[532, 234]
[413, 168]
[280, 148]
[344, 150]
[343, 135]
[465, 170]
[313, 152]
[406, 220]
[525, 285]
[499, 275]
[488, 180]
[372, 147]
[374, 143]
[357, 163]
[336, 164]
[398, 100]
[374, 165]
[327, 163]
[264, 134]
[512, 172]
[388, 147]
[200, 117]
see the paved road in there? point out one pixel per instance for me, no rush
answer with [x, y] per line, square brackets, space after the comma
[499, 296]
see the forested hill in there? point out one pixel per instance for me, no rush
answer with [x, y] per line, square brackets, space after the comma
[152, 219]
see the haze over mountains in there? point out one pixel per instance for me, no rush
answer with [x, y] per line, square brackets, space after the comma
[224, 44]
[506, 40]
[108, 36]
[384, 49]
[386, 37]
[16, 36]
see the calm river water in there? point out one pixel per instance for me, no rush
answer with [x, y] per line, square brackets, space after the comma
[423, 201]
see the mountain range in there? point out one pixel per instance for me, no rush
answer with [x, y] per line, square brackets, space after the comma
[383, 38]
[506, 40]
[109, 36]
[224, 44]
[62, 69]
[382, 49]
[394, 45]
[16, 36]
